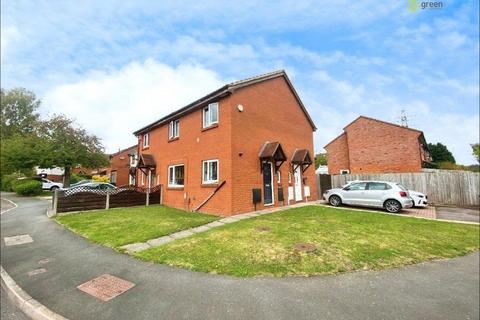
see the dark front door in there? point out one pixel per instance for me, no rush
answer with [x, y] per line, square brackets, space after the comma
[267, 183]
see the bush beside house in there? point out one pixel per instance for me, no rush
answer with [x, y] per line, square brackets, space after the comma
[27, 187]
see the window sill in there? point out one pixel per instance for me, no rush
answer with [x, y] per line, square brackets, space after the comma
[209, 185]
[215, 125]
[175, 188]
[145, 148]
[173, 139]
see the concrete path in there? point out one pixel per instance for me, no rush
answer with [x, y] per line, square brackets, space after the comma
[459, 214]
[447, 289]
[140, 246]
[8, 310]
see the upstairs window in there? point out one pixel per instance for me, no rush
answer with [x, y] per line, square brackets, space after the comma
[210, 115]
[210, 171]
[176, 176]
[174, 129]
[146, 140]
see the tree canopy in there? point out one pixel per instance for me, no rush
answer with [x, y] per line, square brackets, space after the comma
[440, 153]
[476, 151]
[28, 141]
[320, 160]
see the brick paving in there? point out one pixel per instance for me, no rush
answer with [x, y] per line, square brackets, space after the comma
[428, 212]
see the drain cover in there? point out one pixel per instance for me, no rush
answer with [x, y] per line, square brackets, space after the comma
[263, 229]
[306, 247]
[106, 287]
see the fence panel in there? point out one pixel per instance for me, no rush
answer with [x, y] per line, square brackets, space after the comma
[459, 188]
[89, 199]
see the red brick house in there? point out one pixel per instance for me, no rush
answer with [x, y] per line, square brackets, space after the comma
[369, 146]
[122, 166]
[249, 137]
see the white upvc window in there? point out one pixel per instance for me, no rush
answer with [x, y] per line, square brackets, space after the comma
[176, 175]
[174, 129]
[146, 140]
[344, 171]
[142, 175]
[210, 171]
[133, 159]
[279, 177]
[210, 115]
[289, 177]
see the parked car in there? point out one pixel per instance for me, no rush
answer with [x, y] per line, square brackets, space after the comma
[47, 184]
[82, 182]
[91, 186]
[391, 196]
[419, 199]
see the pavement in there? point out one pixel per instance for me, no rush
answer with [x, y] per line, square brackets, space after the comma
[8, 310]
[459, 214]
[446, 289]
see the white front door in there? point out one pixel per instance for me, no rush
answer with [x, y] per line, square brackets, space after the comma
[298, 184]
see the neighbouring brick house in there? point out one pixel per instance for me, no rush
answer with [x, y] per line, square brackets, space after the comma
[248, 137]
[369, 146]
[123, 166]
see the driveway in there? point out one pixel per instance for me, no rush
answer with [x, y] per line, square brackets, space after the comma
[459, 214]
[447, 289]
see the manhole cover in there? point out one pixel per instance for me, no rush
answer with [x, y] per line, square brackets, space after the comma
[106, 287]
[263, 229]
[306, 247]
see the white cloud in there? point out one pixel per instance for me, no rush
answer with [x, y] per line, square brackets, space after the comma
[113, 105]
[9, 35]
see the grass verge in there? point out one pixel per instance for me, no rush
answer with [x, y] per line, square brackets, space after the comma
[120, 226]
[344, 240]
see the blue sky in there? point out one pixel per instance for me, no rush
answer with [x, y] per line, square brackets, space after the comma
[115, 66]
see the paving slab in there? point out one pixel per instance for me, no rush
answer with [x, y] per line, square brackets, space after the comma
[135, 247]
[160, 241]
[200, 229]
[181, 234]
[17, 240]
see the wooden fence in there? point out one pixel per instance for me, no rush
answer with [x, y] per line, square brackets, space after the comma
[459, 188]
[82, 198]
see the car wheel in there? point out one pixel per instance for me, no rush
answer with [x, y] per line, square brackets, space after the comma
[54, 188]
[335, 201]
[392, 206]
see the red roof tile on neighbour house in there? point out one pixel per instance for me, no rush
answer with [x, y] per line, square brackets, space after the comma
[222, 92]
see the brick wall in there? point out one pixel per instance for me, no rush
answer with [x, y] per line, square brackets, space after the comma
[375, 146]
[193, 146]
[337, 152]
[271, 113]
[120, 162]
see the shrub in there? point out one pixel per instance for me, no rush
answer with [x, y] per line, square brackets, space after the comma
[9, 180]
[74, 178]
[98, 178]
[27, 187]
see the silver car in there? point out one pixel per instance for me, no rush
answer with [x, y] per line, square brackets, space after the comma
[391, 196]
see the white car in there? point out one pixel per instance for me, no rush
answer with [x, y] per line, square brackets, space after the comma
[391, 196]
[50, 185]
[419, 199]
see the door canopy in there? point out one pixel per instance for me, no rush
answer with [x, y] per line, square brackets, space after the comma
[146, 163]
[301, 158]
[273, 152]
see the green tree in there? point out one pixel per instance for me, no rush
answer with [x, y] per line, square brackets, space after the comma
[476, 151]
[68, 145]
[18, 112]
[320, 160]
[21, 153]
[440, 153]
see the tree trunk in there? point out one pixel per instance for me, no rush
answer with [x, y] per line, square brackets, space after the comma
[66, 177]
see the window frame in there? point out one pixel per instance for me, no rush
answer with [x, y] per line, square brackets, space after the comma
[279, 177]
[171, 129]
[206, 109]
[344, 171]
[146, 140]
[169, 176]
[208, 171]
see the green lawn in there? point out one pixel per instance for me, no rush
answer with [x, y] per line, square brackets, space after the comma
[120, 226]
[345, 240]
